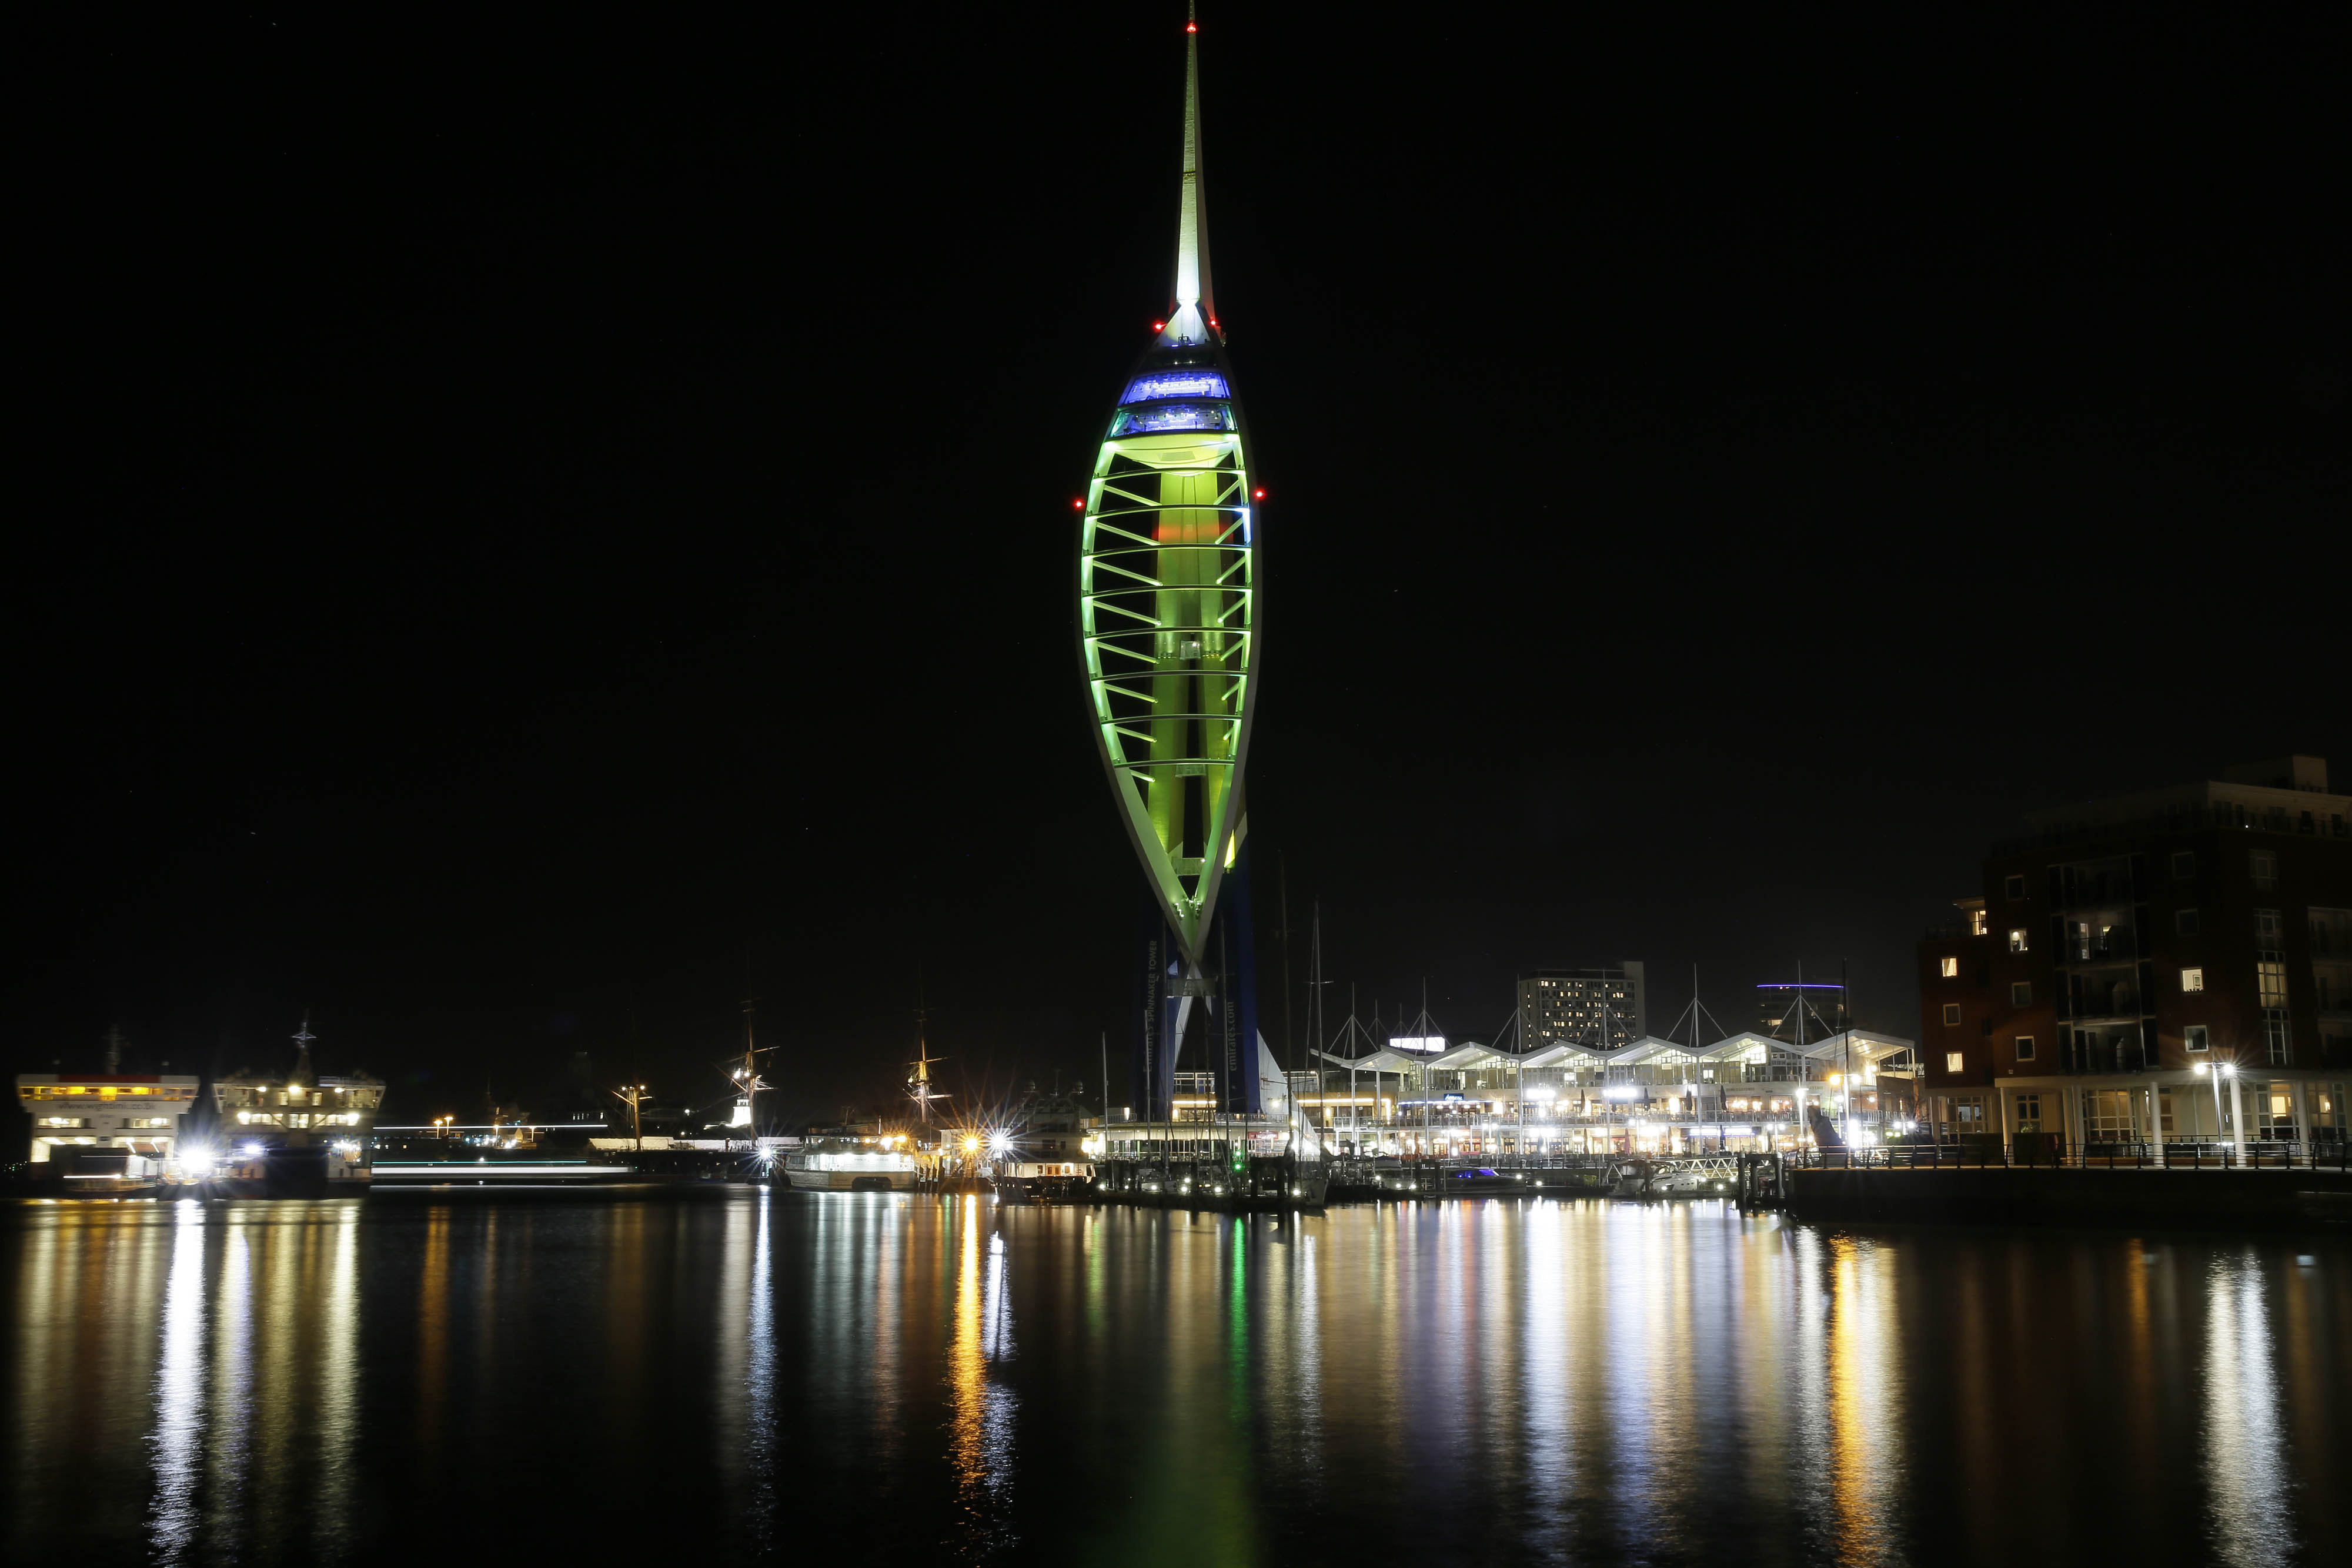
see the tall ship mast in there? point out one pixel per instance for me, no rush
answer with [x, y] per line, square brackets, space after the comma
[1168, 621]
[918, 1075]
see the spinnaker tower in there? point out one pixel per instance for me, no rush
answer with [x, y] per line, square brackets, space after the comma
[1168, 621]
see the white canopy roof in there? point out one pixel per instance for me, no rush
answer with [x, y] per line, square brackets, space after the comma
[1864, 1047]
[1860, 1045]
[1649, 1049]
[1747, 1046]
[1379, 1061]
[1469, 1053]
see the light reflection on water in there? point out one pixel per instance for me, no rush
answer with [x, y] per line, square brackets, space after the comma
[740, 1373]
[229, 1406]
[179, 1407]
[981, 1425]
[2241, 1433]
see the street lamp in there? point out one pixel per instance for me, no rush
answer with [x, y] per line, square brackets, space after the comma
[2216, 1071]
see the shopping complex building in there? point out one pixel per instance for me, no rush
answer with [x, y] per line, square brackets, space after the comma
[1747, 1091]
[2168, 967]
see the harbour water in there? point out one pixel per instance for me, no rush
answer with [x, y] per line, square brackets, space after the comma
[735, 1373]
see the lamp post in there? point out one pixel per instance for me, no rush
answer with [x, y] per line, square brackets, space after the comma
[632, 1095]
[2217, 1071]
[2237, 1111]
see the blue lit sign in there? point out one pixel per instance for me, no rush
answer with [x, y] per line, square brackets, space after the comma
[1176, 384]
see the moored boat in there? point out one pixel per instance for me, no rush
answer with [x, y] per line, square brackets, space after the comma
[824, 1170]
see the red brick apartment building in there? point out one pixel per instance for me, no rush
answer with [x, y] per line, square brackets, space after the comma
[2175, 965]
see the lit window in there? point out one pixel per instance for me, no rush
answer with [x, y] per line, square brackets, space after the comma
[2185, 923]
[2192, 980]
[1155, 417]
[1951, 968]
[1176, 384]
[2021, 994]
[1953, 1061]
[2270, 980]
[2017, 938]
[1951, 1014]
[2025, 1047]
[2194, 1037]
[2014, 887]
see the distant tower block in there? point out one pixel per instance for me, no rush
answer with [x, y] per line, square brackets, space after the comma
[1600, 1008]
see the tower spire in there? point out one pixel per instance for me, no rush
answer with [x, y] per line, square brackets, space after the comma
[1167, 603]
[1195, 314]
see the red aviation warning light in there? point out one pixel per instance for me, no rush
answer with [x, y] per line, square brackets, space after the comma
[1257, 495]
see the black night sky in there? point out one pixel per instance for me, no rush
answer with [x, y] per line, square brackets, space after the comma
[533, 532]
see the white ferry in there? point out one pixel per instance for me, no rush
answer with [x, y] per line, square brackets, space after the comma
[849, 1170]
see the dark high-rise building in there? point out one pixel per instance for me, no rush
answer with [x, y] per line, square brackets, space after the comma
[2172, 965]
[1567, 1007]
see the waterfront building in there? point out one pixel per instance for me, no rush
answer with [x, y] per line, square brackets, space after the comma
[1048, 1135]
[1745, 1092]
[2169, 965]
[101, 1126]
[1600, 1008]
[300, 1109]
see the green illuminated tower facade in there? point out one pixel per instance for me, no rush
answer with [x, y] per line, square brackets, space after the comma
[1168, 592]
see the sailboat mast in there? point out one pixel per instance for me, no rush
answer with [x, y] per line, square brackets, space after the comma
[1802, 1127]
[750, 1079]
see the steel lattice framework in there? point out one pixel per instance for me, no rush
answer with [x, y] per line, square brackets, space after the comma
[1166, 585]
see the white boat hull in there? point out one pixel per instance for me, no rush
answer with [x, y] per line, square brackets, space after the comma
[851, 1181]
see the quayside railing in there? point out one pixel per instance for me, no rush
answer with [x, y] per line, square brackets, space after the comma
[2332, 1156]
